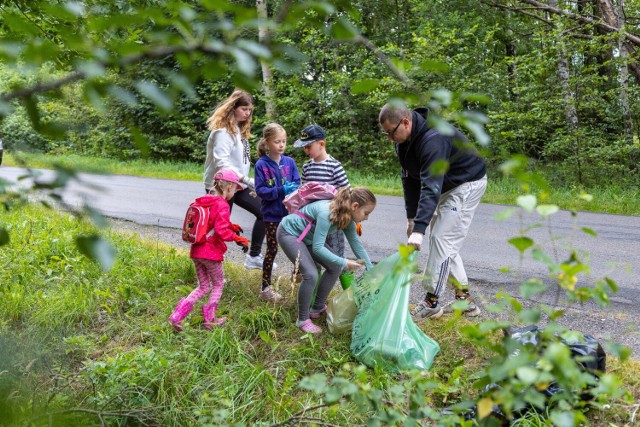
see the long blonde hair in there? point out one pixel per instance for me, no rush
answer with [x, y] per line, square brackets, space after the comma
[269, 132]
[340, 207]
[223, 115]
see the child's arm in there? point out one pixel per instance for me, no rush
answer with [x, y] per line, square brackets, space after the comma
[340, 177]
[356, 245]
[222, 224]
[295, 175]
[262, 186]
[320, 238]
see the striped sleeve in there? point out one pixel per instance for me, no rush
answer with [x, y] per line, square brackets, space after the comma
[329, 171]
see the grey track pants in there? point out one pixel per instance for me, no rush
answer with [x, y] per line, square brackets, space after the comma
[447, 231]
[302, 255]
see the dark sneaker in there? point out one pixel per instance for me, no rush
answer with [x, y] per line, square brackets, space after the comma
[424, 310]
[466, 305]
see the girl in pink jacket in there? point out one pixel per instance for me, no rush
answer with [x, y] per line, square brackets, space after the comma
[208, 255]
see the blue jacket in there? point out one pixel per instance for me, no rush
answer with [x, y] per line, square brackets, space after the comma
[270, 178]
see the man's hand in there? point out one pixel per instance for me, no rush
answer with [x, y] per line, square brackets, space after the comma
[409, 227]
[237, 229]
[243, 243]
[415, 240]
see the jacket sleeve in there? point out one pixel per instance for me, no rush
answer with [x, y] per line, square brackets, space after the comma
[320, 238]
[295, 175]
[262, 188]
[411, 192]
[435, 150]
[222, 222]
[356, 245]
[222, 146]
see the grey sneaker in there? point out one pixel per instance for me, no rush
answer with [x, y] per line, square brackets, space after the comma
[467, 306]
[424, 310]
[269, 294]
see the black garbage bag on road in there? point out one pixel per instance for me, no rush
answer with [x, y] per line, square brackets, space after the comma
[587, 353]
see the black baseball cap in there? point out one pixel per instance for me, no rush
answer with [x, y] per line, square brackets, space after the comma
[311, 133]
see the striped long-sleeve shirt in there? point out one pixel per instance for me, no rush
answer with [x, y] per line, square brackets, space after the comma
[329, 171]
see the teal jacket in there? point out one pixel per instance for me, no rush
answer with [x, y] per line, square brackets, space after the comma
[317, 236]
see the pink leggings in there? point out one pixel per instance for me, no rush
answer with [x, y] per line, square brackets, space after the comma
[210, 277]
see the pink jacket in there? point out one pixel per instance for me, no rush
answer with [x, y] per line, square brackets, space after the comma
[219, 220]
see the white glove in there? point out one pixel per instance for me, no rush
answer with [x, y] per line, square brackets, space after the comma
[409, 226]
[415, 240]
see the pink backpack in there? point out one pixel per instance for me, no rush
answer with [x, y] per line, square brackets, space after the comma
[307, 193]
[196, 220]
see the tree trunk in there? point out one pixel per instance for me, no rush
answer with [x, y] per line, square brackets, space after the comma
[267, 76]
[570, 112]
[631, 41]
[624, 78]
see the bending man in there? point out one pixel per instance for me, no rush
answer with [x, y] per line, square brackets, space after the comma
[443, 180]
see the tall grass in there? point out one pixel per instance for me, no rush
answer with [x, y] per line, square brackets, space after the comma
[77, 343]
[500, 190]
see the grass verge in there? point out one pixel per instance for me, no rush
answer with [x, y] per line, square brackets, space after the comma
[79, 346]
[500, 190]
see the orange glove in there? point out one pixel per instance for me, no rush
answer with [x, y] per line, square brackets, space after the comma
[237, 229]
[243, 243]
[359, 229]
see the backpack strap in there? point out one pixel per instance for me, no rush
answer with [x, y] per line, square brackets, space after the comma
[307, 228]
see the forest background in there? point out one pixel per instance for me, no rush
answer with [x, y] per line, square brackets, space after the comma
[554, 90]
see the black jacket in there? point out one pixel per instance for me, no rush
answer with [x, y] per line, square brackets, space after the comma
[426, 150]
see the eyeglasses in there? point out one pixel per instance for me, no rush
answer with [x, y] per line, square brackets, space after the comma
[390, 134]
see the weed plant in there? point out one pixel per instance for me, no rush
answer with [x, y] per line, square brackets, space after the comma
[79, 346]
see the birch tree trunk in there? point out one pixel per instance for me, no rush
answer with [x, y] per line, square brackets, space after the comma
[267, 76]
[570, 112]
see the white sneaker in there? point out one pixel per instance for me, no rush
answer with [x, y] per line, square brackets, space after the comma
[255, 262]
[424, 310]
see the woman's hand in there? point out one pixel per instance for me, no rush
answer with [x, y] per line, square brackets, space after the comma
[249, 182]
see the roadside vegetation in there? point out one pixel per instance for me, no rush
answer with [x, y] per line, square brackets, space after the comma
[81, 346]
[545, 92]
[500, 190]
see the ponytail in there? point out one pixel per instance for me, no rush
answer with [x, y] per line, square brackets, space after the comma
[340, 207]
[261, 147]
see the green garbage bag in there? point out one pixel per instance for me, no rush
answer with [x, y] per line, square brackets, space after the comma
[383, 333]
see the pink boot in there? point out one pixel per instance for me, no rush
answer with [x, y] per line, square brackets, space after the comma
[209, 314]
[183, 308]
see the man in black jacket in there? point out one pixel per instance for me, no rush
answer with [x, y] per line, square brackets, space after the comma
[443, 180]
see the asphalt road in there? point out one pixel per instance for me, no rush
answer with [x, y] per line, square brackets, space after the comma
[492, 264]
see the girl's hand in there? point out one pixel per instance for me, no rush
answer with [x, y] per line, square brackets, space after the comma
[353, 265]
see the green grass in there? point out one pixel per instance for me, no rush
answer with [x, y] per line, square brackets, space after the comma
[500, 190]
[76, 342]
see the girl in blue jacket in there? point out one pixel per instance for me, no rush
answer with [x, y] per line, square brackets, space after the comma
[276, 175]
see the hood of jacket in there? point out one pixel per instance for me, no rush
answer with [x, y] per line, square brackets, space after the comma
[208, 200]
